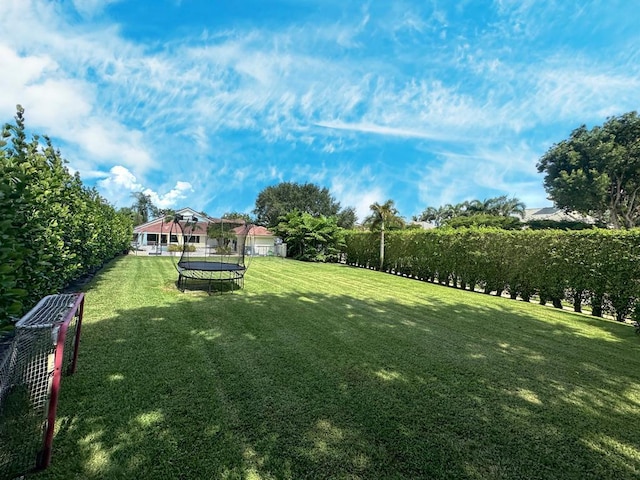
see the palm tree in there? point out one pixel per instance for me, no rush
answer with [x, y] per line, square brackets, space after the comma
[513, 206]
[430, 214]
[143, 206]
[382, 216]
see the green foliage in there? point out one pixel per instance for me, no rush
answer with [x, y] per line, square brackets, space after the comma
[52, 228]
[599, 267]
[309, 238]
[383, 217]
[143, 208]
[501, 206]
[484, 220]
[597, 171]
[277, 201]
[237, 215]
[558, 225]
[223, 232]
[178, 248]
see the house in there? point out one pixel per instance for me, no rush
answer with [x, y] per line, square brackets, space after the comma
[157, 234]
[556, 215]
[261, 241]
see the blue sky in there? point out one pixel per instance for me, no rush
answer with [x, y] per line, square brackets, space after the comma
[204, 103]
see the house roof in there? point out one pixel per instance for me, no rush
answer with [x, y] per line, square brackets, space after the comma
[555, 214]
[155, 226]
[159, 225]
[255, 230]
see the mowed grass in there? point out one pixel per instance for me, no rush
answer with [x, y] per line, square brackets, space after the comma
[327, 371]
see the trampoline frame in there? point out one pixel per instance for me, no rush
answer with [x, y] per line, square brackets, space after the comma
[206, 271]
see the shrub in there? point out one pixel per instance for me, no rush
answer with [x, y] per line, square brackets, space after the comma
[598, 266]
[53, 229]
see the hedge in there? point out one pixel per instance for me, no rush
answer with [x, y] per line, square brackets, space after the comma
[597, 267]
[53, 230]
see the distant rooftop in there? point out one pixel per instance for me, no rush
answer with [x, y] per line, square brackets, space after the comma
[555, 214]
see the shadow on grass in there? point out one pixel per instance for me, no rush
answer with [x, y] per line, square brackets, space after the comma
[316, 386]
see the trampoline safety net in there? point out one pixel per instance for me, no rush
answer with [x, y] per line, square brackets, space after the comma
[43, 348]
[218, 262]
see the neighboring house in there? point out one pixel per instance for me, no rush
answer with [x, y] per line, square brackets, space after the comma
[158, 232]
[555, 214]
[424, 225]
[261, 241]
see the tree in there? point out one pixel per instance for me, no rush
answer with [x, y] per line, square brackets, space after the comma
[143, 207]
[278, 200]
[131, 213]
[347, 217]
[501, 206]
[383, 216]
[311, 238]
[223, 232]
[597, 172]
[237, 215]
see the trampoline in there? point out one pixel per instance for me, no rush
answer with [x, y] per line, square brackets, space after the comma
[212, 252]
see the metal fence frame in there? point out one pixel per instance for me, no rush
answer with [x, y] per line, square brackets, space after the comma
[50, 322]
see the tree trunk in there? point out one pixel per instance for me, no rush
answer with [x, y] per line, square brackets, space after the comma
[577, 301]
[596, 305]
[382, 247]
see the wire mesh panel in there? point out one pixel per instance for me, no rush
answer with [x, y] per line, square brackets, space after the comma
[44, 347]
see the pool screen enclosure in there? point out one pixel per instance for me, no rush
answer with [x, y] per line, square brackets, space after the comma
[217, 258]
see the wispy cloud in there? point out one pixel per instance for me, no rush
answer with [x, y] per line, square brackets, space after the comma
[249, 104]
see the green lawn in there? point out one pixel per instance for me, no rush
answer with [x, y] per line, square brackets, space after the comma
[327, 371]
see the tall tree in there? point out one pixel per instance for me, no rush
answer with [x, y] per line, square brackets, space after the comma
[431, 215]
[143, 207]
[382, 217]
[311, 238]
[347, 217]
[277, 200]
[503, 206]
[597, 172]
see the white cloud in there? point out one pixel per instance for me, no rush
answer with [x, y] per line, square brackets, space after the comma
[90, 8]
[171, 198]
[24, 71]
[120, 183]
[381, 130]
[356, 189]
[483, 172]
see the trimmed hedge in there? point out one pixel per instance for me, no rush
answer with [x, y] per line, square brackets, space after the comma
[53, 230]
[597, 267]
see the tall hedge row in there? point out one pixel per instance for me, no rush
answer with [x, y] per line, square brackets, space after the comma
[52, 229]
[600, 268]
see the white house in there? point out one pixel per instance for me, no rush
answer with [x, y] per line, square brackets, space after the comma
[158, 233]
[261, 241]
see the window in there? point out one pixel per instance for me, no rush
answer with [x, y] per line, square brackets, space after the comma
[174, 239]
[152, 237]
[193, 239]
